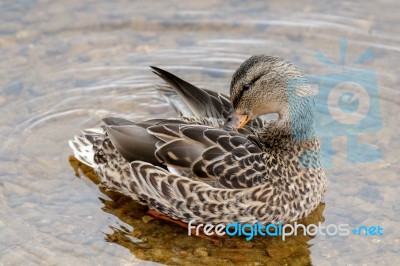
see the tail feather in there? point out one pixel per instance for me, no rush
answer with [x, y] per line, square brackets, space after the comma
[83, 146]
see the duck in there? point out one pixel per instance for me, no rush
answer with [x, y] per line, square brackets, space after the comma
[219, 160]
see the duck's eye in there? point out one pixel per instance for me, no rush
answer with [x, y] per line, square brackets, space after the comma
[247, 87]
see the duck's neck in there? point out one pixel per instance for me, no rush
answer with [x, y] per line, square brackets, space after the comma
[297, 119]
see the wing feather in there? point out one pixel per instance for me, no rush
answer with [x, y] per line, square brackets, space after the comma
[201, 103]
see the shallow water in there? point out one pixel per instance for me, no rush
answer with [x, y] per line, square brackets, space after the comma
[64, 65]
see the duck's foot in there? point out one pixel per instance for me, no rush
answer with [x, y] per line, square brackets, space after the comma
[217, 241]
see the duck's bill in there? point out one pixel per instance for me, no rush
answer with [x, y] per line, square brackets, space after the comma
[237, 120]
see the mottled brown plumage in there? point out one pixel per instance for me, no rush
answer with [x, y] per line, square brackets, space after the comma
[198, 166]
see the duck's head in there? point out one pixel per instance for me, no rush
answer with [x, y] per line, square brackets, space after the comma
[259, 87]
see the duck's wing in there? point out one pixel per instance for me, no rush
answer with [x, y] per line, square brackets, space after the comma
[221, 157]
[192, 146]
[132, 139]
[189, 100]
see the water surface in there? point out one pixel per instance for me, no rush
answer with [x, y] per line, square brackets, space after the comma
[64, 65]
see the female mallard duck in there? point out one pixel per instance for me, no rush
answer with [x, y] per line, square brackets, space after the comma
[218, 162]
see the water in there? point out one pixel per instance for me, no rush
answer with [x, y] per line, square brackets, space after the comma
[64, 65]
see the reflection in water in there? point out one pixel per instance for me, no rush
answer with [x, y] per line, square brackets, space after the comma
[160, 241]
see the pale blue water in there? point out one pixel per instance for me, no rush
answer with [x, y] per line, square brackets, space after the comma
[66, 64]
